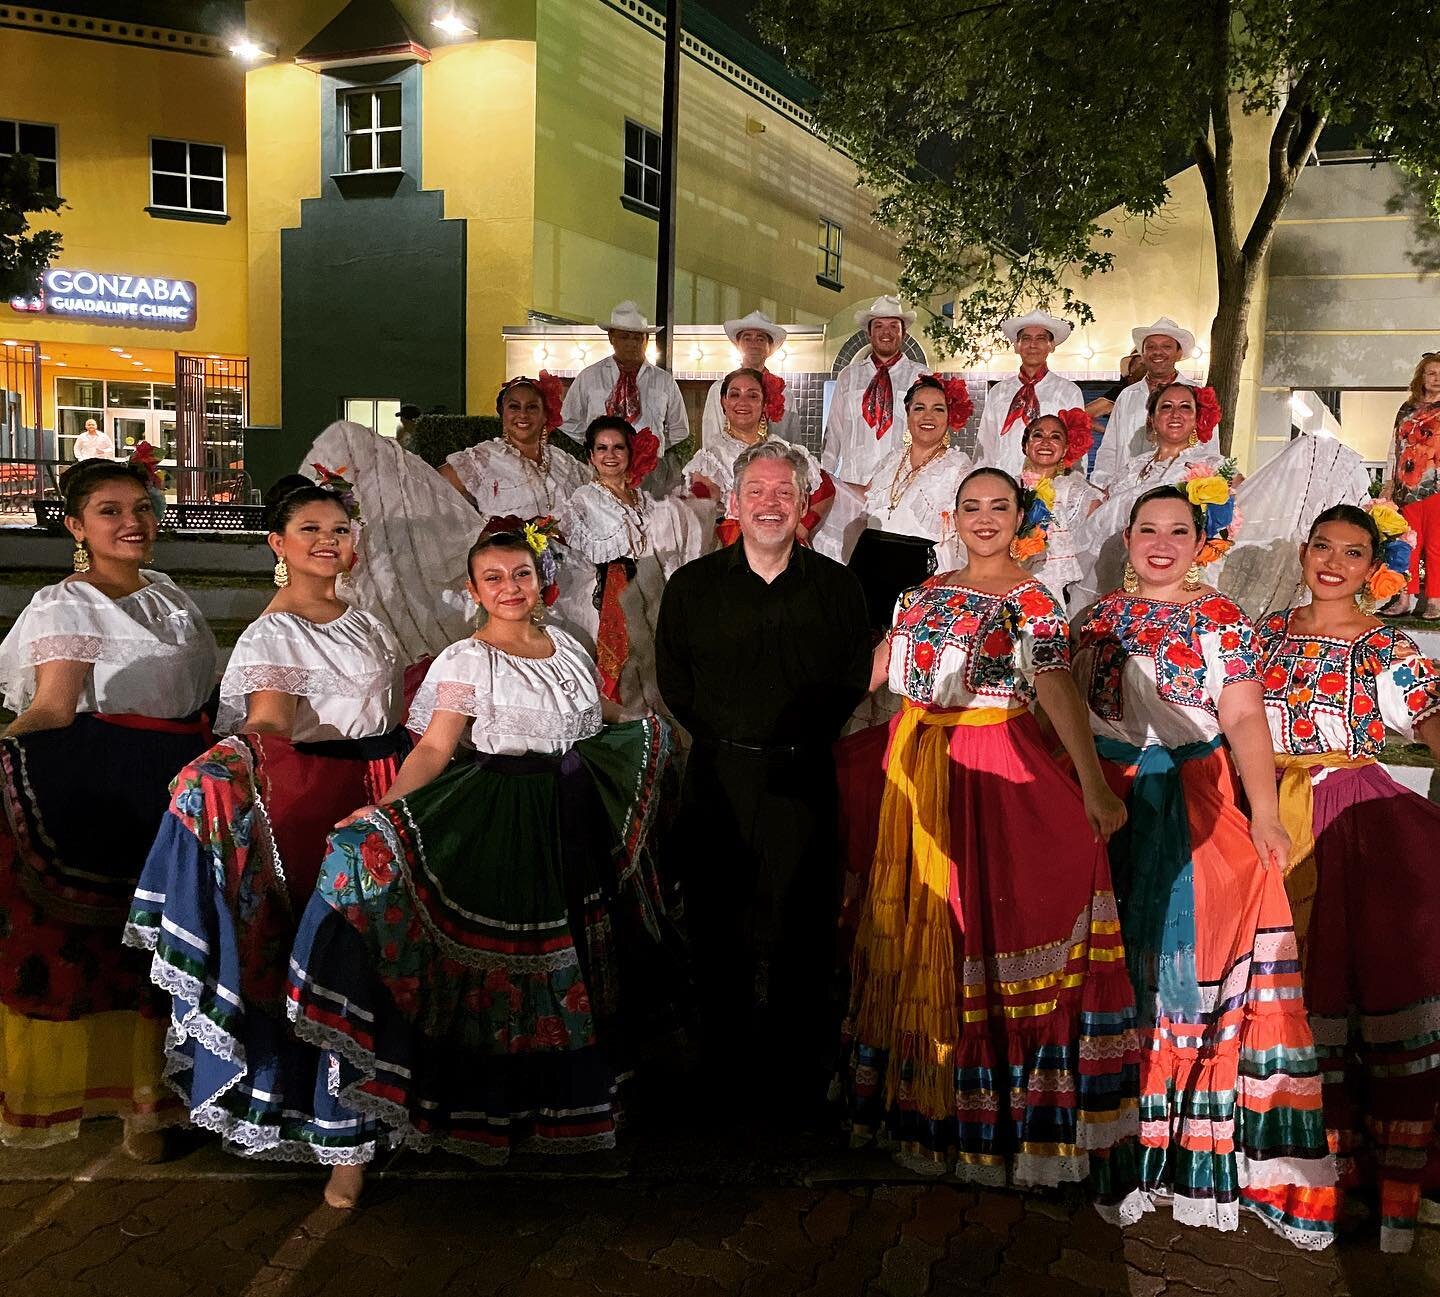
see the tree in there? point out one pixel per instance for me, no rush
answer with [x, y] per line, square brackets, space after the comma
[24, 255]
[997, 134]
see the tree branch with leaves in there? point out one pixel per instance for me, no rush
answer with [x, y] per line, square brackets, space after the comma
[998, 135]
[24, 254]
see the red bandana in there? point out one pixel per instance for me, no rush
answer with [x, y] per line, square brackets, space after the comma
[877, 405]
[624, 398]
[1025, 405]
[774, 396]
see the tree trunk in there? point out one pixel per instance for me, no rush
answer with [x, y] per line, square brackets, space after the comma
[1230, 340]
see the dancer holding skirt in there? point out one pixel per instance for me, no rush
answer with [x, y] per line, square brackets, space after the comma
[1361, 876]
[463, 951]
[991, 1019]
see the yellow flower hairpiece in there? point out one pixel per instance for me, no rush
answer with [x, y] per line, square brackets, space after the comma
[535, 538]
[1045, 491]
[1388, 519]
[1208, 490]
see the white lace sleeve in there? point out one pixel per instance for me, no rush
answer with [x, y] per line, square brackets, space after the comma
[469, 466]
[459, 680]
[596, 533]
[707, 463]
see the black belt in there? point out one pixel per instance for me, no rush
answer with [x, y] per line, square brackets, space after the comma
[374, 747]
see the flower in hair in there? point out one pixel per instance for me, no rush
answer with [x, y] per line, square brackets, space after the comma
[958, 405]
[1079, 434]
[552, 393]
[1037, 513]
[644, 455]
[1207, 413]
[333, 479]
[1208, 487]
[1397, 544]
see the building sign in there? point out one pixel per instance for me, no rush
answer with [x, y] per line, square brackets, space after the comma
[142, 301]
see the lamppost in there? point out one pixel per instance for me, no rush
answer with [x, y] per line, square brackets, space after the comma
[669, 153]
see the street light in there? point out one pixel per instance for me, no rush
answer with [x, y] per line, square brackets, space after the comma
[250, 51]
[453, 23]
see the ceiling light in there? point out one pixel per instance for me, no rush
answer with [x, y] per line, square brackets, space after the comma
[43, 356]
[780, 356]
[652, 353]
[249, 51]
[117, 350]
[61, 364]
[697, 353]
[453, 23]
[137, 362]
[1198, 353]
[9, 342]
[1087, 352]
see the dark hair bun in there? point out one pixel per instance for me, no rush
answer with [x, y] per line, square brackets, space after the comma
[288, 494]
[79, 480]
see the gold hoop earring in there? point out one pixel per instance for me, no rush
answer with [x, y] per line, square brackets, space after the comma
[1194, 439]
[282, 573]
[1130, 582]
[1194, 576]
[764, 426]
[81, 557]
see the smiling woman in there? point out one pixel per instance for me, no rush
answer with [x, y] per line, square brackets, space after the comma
[108, 671]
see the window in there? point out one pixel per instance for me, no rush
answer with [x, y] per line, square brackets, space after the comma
[372, 129]
[642, 168]
[37, 141]
[831, 242]
[187, 177]
[379, 414]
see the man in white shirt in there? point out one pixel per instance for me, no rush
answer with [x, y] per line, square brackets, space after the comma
[757, 337]
[94, 444]
[629, 386]
[1013, 402]
[867, 412]
[1160, 345]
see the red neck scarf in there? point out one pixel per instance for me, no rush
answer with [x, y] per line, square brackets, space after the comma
[624, 398]
[774, 396]
[877, 405]
[1025, 405]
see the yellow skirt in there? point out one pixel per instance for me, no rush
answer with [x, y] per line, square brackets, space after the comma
[55, 1074]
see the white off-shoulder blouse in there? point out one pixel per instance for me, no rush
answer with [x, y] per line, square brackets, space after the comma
[152, 653]
[518, 704]
[346, 675]
[502, 481]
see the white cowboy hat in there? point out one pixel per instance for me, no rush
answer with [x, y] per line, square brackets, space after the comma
[627, 316]
[884, 308]
[755, 320]
[1167, 328]
[1059, 329]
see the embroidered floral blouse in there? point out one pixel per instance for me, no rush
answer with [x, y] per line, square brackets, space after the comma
[519, 704]
[1335, 695]
[1152, 672]
[955, 647]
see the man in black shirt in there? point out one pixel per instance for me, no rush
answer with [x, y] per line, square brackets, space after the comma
[762, 652]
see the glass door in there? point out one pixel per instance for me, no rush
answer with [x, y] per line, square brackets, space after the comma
[128, 427]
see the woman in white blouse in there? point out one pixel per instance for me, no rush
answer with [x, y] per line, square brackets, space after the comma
[518, 473]
[313, 699]
[108, 670]
[464, 951]
[633, 544]
[1053, 444]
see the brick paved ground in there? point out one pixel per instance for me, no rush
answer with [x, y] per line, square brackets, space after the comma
[693, 1218]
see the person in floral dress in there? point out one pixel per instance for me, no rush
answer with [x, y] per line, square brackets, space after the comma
[991, 1021]
[1230, 1089]
[1361, 879]
[1412, 481]
[311, 701]
[474, 936]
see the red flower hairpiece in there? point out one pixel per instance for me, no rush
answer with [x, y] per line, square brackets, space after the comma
[1079, 434]
[644, 455]
[774, 396]
[958, 405]
[1207, 413]
[552, 395]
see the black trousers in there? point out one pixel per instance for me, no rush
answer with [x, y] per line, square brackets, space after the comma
[758, 855]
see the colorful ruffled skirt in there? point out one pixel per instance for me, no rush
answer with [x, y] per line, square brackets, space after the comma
[219, 902]
[991, 1020]
[1366, 903]
[474, 952]
[1230, 1094]
[81, 1031]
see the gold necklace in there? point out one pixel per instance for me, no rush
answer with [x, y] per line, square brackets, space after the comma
[899, 485]
[633, 513]
[541, 465]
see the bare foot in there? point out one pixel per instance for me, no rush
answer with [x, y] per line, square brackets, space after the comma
[344, 1186]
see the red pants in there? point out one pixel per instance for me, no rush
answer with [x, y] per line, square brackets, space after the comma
[1424, 517]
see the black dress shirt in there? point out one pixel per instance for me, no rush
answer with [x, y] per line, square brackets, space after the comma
[764, 664]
